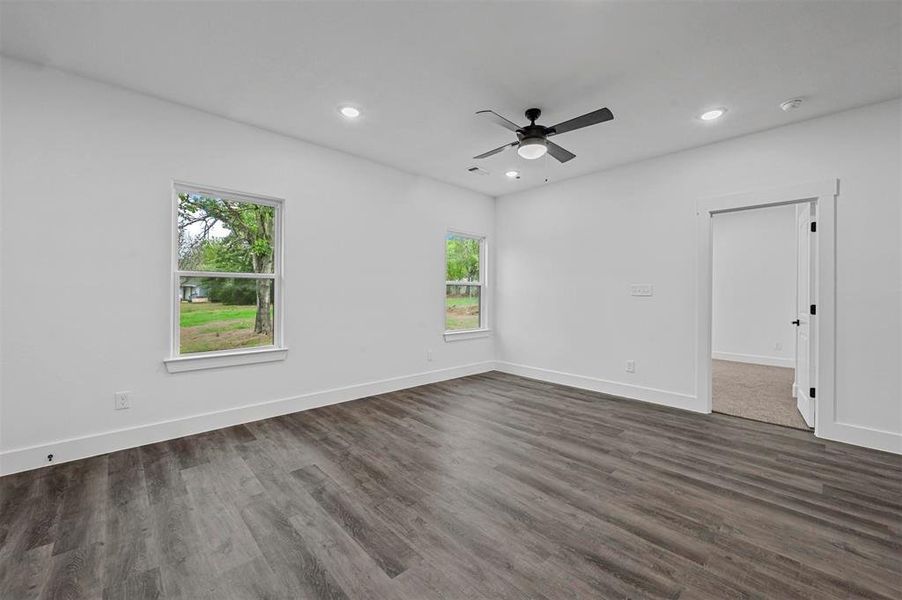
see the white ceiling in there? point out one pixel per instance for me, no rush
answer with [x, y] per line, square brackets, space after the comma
[419, 71]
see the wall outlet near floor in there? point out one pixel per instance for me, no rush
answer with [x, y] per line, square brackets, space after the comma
[778, 346]
[122, 400]
[428, 355]
[630, 366]
[642, 289]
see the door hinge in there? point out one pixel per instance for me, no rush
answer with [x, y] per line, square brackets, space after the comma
[811, 393]
[813, 226]
[814, 309]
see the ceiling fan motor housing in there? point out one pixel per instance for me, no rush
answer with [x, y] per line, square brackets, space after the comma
[533, 142]
[532, 133]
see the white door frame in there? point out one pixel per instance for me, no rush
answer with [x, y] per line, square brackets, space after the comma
[823, 194]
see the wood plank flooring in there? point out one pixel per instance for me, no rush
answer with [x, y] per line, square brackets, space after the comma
[491, 486]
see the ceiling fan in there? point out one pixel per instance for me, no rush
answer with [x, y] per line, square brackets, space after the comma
[532, 140]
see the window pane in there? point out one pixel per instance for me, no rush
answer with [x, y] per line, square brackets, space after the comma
[217, 234]
[219, 313]
[463, 305]
[462, 258]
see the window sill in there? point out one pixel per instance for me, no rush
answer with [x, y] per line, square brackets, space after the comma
[470, 334]
[224, 359]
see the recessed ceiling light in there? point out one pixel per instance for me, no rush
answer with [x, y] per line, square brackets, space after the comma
[714, 113]
[349, 111]
[513, 174]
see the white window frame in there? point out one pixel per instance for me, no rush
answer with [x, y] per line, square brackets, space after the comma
[484, 292]
[240, 356]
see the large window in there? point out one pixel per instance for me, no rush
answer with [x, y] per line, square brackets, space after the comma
[464, 283]
[227, 272]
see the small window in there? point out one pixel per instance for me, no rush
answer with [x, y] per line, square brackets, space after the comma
[227, 272]
[464, 283]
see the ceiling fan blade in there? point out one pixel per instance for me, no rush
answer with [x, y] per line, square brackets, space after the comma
[496, 150]
[597, 116]
[559, 153]
[496, 118]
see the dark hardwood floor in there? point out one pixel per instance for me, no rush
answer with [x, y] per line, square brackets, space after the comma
[491, 486]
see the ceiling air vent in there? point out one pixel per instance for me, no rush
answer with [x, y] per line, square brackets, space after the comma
[477, 171]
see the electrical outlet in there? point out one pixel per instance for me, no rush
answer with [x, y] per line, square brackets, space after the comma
[630, 366]
[642, 289]
[428, 355]
[778, 346]
[122, 400]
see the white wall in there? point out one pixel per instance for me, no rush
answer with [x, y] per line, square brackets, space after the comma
[754, 285]
[569, 251]
[86, 179]
[86, 198]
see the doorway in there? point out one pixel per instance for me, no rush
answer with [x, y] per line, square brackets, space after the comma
[761, 275]
[816, 402]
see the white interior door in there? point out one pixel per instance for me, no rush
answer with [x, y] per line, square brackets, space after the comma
[805, 332]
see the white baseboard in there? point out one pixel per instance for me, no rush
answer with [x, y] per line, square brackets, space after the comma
[840, 432]
[613, 388]
[755, 359]
[857, 435]
[32, 457]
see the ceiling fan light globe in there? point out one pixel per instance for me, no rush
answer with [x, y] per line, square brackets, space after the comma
[532, 148]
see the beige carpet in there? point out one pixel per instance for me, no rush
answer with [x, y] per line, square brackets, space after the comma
[755, 392]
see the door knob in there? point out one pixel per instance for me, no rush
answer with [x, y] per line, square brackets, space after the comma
[796, 322]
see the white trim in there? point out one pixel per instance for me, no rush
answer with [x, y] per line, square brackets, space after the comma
[232, 358]
[32, 457]
[463, 233]
[823, 194]
[604, 386]
[858, 435]
[790, 194]
[224, 275]
[467, 334]
[755, 359]
[173, 362]
[483, 284]
[191, 187]
[886, 441]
